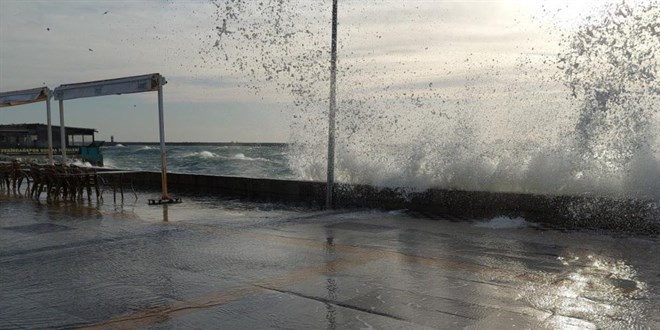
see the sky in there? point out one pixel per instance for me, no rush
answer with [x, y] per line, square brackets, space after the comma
[211, 96]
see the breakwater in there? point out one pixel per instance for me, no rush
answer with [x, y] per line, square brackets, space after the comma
[626, 215]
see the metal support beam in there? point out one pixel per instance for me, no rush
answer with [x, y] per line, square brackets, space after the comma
[62, 133]
[8, 99]
[333, 108]
[163, 153]
[50, 130]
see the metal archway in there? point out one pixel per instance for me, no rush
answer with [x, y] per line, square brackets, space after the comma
[126, 85]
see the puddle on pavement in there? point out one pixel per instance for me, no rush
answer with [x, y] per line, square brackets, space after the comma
[210, 261]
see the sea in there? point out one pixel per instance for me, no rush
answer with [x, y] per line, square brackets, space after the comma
[255, 161]
[581, 120]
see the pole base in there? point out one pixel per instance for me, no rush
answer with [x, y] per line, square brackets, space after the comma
[161, 201]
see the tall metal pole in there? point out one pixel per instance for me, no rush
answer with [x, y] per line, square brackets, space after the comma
[50, 128]
[333, 108]
[62, 133]
[161, 122]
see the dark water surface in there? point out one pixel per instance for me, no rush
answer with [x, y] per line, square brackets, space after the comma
[248, 161]
[226, 264]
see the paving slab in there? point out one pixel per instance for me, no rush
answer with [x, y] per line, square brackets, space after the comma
[219, 263]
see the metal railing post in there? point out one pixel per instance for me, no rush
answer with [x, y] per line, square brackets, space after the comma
[333, 108]
[50, 128]
[163, 155]
[62, 133]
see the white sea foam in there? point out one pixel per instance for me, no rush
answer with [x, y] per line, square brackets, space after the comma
[207, 154]
[79, 163]
[503, 223]
[241, 156]
[201, 154]
[108, 163]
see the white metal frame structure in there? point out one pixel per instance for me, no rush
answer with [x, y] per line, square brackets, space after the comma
[135, 84]
[26, 96]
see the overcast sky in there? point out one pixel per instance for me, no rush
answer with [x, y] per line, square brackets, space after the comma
[410, 45]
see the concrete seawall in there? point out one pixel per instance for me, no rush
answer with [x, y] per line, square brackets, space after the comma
[641, 216]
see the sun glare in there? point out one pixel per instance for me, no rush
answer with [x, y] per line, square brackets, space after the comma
[565, 13]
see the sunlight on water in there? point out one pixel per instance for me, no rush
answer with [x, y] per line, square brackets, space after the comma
[582, 292]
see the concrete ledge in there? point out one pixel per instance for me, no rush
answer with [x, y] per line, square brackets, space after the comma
[566, 211]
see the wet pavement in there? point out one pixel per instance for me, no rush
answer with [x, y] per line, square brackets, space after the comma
[212, 263]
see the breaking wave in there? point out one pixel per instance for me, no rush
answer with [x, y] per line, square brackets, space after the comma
[584, 121]
[201, 154]
[241, 156]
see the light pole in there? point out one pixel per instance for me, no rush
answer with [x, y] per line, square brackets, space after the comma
[333, 109]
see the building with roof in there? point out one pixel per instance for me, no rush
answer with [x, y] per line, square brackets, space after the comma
[36, 136]
[32, 139]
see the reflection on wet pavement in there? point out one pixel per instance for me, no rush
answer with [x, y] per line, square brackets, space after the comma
[229, 264]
